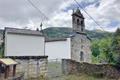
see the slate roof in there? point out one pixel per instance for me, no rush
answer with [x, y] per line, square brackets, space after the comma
[23, 31]
[78, 13]
[55, 39]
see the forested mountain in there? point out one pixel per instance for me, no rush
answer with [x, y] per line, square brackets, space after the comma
[61, 32]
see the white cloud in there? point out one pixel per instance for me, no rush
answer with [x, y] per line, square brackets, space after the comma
[103, 14]
[107, 11]
[60, 19]
[20, 13]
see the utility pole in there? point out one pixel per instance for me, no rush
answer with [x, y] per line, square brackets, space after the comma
[41, 26]
[43, 35]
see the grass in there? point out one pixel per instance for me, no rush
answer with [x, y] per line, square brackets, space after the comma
[78, 77]
[55, 73]
[82, 77]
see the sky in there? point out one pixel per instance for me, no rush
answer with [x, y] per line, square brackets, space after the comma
[21, 14]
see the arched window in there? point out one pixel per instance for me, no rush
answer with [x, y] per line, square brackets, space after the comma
[78, 21]
[81, 56]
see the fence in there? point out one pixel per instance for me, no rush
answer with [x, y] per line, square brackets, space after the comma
[54, 69]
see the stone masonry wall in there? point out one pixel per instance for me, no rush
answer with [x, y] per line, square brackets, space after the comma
[79, 43]
[32, 68]
[98, 70]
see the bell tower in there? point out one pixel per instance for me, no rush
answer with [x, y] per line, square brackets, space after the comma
[80, 43]
[78, 21]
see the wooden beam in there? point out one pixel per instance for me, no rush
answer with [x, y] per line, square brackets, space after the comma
[6, 72]
[14, 70]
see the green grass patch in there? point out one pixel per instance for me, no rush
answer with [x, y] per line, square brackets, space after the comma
[78, 77]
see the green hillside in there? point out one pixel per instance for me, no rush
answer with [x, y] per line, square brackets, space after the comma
[62, 32]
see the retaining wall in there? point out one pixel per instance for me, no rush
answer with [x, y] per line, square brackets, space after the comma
[98, 70]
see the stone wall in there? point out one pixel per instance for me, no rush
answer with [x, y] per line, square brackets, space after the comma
[97, 70]
[32, 68]
[80, 43]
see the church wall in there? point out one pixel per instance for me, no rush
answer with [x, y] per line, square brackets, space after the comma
[80, 43]
[58, 49]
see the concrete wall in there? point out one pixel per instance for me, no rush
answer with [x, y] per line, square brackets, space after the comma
[96, 70]
[24, 45]
[58, 49]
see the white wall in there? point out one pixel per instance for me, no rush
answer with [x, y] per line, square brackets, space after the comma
[23, 45]
[58, 49]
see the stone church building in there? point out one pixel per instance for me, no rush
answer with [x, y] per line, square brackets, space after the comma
[80, 42]
[76, 46]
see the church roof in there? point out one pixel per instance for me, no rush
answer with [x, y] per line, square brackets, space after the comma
[78, 13]
[55, 39]
[23, 31]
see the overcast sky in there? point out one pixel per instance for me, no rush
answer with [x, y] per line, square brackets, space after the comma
[20, 13]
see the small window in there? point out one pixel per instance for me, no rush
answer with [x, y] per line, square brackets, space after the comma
[81, 56]
[82, 23]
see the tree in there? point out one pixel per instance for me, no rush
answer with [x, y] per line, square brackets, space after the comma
[95, 49]
[105, 48]
[116, 46]
[2, 50]
[101, 49]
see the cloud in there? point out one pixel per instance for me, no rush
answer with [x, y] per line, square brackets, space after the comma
[61, 19]
[104, 14]
[20, 13]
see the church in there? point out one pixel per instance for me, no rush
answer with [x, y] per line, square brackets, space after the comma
[76, 47]
[32, 50]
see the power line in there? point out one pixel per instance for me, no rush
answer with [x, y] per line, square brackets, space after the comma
[38, 9]
[88, 14]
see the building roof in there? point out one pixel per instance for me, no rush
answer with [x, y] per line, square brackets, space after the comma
[8, 61]
[55, 39]
[23, 31]
[78, 13]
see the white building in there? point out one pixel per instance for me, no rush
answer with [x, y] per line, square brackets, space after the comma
[27, 47]
[58, 48]
[21, 42]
